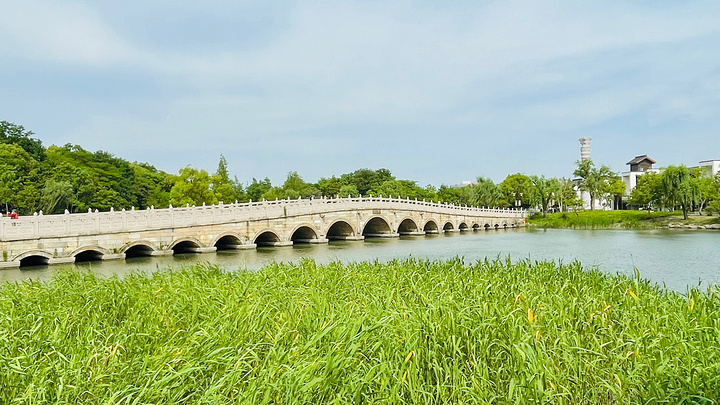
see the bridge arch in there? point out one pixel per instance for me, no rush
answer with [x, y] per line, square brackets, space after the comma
[448, 227]
[430, 227]
[185, 245]
[33, 258]
[92, 253]
[339, 230]
[303, 233]
[463, 227]
[476, 227]
[377, 227]
[227, 241]
[139, 248]
[407, 226]
[266, 237]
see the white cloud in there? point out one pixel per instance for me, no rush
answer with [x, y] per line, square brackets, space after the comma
[61, 32]
[521, 69]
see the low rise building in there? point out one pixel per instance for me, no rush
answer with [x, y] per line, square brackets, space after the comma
[640, 165]
[710, 168]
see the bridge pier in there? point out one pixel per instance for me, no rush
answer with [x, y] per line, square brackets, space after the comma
[161, 253]
[58, 260]
[417, 233]
[348, 237]
[275, 244]
[113, 256]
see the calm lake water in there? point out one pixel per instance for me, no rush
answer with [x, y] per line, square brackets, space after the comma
[675, 258]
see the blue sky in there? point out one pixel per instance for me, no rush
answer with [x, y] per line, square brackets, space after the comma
[434, 92]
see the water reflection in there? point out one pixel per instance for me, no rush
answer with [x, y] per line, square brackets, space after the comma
[672, 257]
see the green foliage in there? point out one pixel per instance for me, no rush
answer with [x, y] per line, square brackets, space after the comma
[647, 191]
[192, 187]
[516, 190]
[597, 182]
[295, 187]
[222, 186]
[422, 332]
[365, 179]
[99, 180]
[542, 191]
[565, 195]
[348, 190]
[14, 134]
[599, 219]
[487, 194]
[257, 189]
[152, 187]
[56, 196]
[679, 187]
[19, 175]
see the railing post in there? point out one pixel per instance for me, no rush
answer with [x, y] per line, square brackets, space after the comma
[36, 228]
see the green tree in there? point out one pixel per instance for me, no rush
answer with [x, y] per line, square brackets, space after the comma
[152, 186]
[565, 195]
[616, 188]
[222, 186]
[679, 187]
[348, 190]
[295, 187]
[192, 187]
[516, 190]
[647, 191]
[714, 199]
[705, 187]
[594, 181]
[15, 134]
[19, 177]
[486, 193]
[365, 179]
[542, 191]
[332, 186]
[99, 179]
[56, 196]
[257, 189]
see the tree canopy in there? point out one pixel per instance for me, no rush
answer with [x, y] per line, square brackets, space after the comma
[58, 178]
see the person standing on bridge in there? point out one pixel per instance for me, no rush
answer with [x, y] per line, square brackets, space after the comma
[13, 214]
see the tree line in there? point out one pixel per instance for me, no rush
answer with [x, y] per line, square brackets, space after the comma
[34, 178]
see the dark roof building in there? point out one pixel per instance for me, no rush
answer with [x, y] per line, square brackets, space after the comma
[641, 163]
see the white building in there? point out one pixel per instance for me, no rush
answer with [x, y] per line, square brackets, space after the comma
[710, 167]
[640, 165]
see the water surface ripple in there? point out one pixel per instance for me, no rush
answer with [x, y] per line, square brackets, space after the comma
[674, 258]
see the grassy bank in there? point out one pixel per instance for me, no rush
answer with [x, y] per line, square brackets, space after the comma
[624, 219]
[403, 332]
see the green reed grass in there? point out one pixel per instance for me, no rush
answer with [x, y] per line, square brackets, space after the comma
[420, 332]
[628, 219]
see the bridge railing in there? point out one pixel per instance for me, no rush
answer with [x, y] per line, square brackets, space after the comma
[89, 223]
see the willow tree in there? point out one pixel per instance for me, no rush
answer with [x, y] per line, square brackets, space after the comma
[593, 180]
[542, 190]
[679, 187]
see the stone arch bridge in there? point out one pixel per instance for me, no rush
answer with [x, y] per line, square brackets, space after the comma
[67, 238]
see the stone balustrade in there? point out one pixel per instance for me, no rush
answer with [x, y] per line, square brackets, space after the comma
[92, 223]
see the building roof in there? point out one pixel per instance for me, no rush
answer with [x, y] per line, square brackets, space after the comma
[639, 159]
